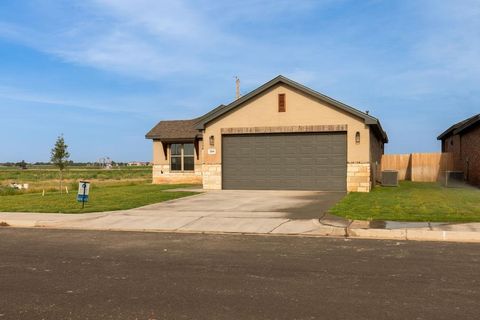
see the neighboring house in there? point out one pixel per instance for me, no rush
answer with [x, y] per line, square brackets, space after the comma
[282, 135]
[463, 140]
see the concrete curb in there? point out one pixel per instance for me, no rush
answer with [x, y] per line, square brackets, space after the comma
[282, 227]
[415, 235]
[399, 234]
[359, 229]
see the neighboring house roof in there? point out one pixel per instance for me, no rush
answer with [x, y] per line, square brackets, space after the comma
[175, 130]
[460, 127]
[468, 124]
[214, 114]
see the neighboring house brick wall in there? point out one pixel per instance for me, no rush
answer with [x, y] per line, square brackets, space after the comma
[452, 144]
[470, 150]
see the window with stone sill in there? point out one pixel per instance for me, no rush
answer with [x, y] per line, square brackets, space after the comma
[182, 157]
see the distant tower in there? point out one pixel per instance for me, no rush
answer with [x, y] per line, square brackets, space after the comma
[237, 87]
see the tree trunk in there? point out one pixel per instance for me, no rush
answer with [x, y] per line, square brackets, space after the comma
[61, 181]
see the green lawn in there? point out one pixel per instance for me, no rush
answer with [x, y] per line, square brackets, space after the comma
[103, 198]
[412, 201]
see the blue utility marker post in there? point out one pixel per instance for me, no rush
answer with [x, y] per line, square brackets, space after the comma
[83, 191]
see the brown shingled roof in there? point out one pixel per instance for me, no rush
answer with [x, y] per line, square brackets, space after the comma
[475, 120]
[175, 130]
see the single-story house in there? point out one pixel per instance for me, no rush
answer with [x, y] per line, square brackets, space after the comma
[281, 135]
[463, 140]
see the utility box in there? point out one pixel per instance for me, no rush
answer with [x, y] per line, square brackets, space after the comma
[454, 179]
[390, 178]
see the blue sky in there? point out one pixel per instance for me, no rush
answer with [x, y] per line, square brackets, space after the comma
[103, 72]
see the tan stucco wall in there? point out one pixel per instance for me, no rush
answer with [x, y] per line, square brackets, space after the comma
[301, 109]
[158, 153]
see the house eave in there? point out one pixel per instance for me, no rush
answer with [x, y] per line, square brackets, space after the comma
[459, 127]
[469, 124]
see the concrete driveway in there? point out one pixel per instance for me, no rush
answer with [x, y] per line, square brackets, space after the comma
[276, 212]
[251, 204]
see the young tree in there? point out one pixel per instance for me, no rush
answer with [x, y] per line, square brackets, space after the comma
[59, 157]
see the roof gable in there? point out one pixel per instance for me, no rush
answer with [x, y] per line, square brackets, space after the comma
[214, 114]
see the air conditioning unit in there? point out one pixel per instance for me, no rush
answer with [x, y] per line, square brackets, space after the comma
[390, 178]
[454, 179]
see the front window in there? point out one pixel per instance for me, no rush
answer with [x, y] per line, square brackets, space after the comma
[182, 156]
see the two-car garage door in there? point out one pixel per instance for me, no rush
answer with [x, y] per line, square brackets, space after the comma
[286, 161]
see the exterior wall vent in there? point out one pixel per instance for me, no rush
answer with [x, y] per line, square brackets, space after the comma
[281, 102]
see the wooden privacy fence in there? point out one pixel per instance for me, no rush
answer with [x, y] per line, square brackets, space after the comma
[423, 167]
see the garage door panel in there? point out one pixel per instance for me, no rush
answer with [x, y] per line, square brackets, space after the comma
[276, 150]
[276, 161]
[304, 161]
[337, 150]
[276, 172]
[289, 172]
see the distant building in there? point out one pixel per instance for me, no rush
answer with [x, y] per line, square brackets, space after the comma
[137, 164]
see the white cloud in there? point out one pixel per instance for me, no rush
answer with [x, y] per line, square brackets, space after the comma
[146, 39]
[152, 39]
[162, 18]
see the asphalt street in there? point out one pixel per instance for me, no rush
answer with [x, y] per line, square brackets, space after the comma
[62, 274]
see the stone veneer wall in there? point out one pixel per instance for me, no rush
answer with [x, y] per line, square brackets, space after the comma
[358, 177]
[161, 174]
[212, 176]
